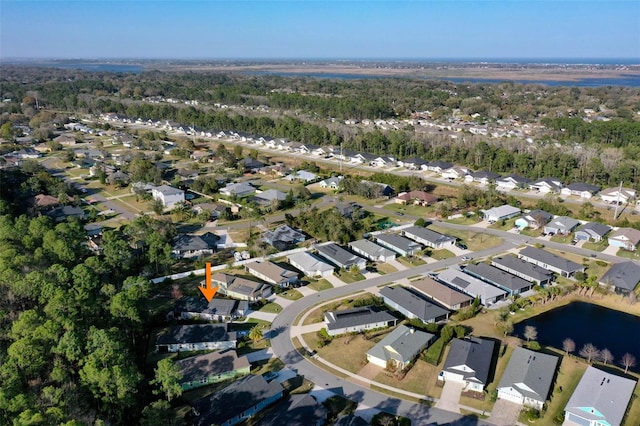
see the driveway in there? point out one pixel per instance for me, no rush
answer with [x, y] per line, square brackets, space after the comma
[264, 316]
[450, 396]
[611, 250]
[260, 355]
[335, 281]
[306, 291]
[505, 413]
[399, 266]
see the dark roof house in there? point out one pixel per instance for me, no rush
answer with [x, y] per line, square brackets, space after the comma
[469, 362]
[412, 305]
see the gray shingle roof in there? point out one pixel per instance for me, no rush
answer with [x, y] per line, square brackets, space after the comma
[217, 306]
[398, 242]
[605, 393]
[530, 373]
[405, 341]
[473, 353]
[497, 276]
[357, 316]
[522, 266]
[185, 242]
[418, 306]
[181, 334]
[341, 257]
[426, 234]
[236, 398]
[371, 249]
[197, 367]
[551, 259]
[581, 186]
[297, 410]
[595, 228]
[624, 275]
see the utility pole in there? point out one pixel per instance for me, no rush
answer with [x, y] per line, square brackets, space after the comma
[615, 213]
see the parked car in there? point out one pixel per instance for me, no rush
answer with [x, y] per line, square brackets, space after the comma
[270, 375]
[466, 258]
[461, 246]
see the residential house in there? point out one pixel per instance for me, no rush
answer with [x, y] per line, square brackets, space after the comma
[497, 214]
[544, 259]
[623, 277]
[357, 320]
[455, 172]
[187, 174]
[60, 214]
[534, 219]
[412, 163]
[523, 269]
[441, 294]
[384, 189]
[511, 182]
[214, 367]
[510, 283]
[593, 231]
[240, 288]
[438, 166]
[546, 185]
[469, 362]
[332, 182]
[283, 237]
[348, 210]
[265, 198]
[400, 347]
[419, 198]
[428, 237]
[625, 238]
[67, 140]
[43, 202]
[168, 195]
[580, 189]
[251, 165]
[401, 245]
[201, 155]
[188, 246]
[307, 148]
[528, 378]
[118, 178]
[383, 162]
[296, 410]
[412, 305]
[301, 175]
[601, 398]
[239, 190]
[340, 257]
[218, 309]
[562, 225]
[483, 178]
[214, 210]
[474, 287]
[197, 337]
[363, 158]
[310, 265]
[617, 195]
[372, 251]
[237, 402]
[272, 273]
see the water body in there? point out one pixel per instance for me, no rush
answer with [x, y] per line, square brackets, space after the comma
[89, 66]
[587, 323]
[630, 80]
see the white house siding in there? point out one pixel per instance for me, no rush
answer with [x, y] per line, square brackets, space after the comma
[377, 361]
[202, 346]
[357, 328]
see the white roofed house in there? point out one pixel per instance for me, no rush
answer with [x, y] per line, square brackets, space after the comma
[372, 251]
[617, 195]
[241, 189]
[546, 185]
[438, 166]
[332, 182]
[497, 214]
[511, 182]
[310, 265]
[474, 287]
[196, 337]
[579, 189]
[168, 195]
[455, 172]
[272, 273]
[399, 347]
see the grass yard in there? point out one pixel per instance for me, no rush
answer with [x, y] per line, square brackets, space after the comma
[508, 224]
[571, 371]
[475, 240]
[465, 220]
[317, 314]
[272, 308]
[421, 379]
[596, 246]
[320, 285]
[564, 239]
[261, 367]
[411, 262]
[628, 254]
[385, 268]
[442, 254]
[348, 352]
[349, 277]
[291, 294]
[410, 209]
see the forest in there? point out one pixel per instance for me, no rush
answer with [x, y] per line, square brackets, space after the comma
[73, 324]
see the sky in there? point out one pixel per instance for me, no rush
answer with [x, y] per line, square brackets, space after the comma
[237, 29]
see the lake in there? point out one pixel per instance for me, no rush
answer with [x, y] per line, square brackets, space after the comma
[587, 323]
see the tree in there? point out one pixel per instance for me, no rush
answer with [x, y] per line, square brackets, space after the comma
[505, 327]
[158, 413]
[628, 361]
[568, 345]
[255, 333]
[590, 352]
[530, 333]
[606, 356]
[167, 377]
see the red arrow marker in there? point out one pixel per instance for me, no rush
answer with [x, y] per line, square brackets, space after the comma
[208, 291]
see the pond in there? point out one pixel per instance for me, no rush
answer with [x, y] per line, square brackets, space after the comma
[587, 323]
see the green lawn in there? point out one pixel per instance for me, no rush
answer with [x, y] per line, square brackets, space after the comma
[410, 262]
[320, 285]
[596, 246]
[571, 371]
[508, 224]
[465, 220]
[272, 308]
[475, 240]
[348, 277]
[628, 254]
[564, 239]
[410, 209]
[291, 294]
[385, 268]
[442, 254]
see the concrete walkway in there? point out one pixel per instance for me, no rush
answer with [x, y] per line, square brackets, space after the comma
[264, 316]
[260, 355]
[450, 397]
